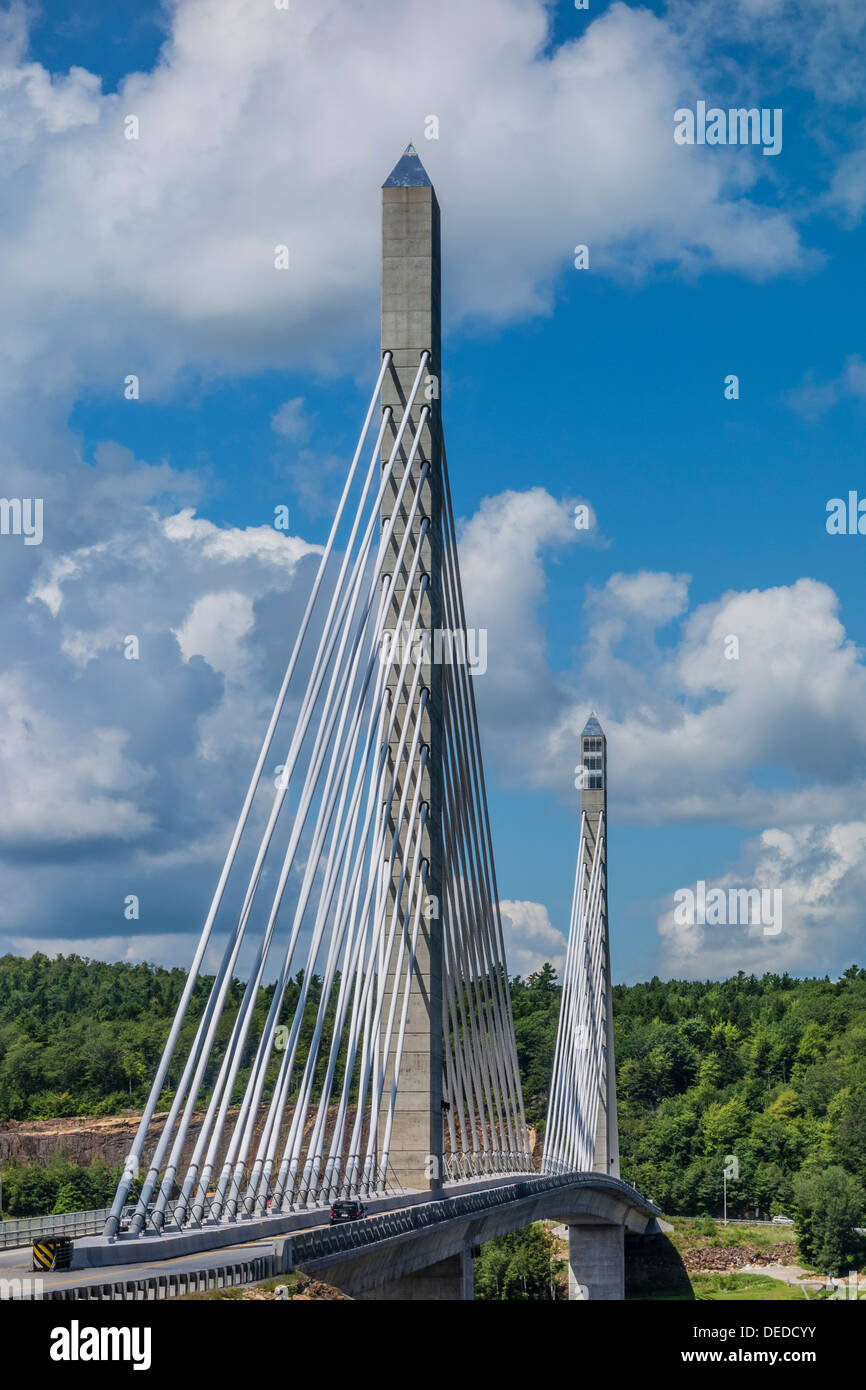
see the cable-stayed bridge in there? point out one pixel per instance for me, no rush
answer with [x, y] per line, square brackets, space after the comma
[360, 878]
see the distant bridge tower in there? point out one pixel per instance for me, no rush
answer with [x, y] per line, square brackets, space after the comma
[593, 805]
[581, 1132]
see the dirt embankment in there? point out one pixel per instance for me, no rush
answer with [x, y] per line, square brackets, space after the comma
[301, 1289]
[727, 1259]
[85, 1137]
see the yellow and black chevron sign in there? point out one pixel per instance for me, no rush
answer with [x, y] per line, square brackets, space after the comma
[44, 1253]
[52, 1253]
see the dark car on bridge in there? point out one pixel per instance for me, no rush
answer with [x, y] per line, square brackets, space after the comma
[351, 1210]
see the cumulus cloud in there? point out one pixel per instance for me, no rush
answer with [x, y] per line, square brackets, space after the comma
[744, 710]
[152, 754]
[155, 256]
[530, 938]
[137, 765]
[819, 874]
[503, 548]
[56, 793]
[750, 714]
[168, 239]
[215, 627]
[747, 714]
[649, 595]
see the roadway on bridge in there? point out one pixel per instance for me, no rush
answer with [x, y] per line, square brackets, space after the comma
[399, 1238]
[17, 1264]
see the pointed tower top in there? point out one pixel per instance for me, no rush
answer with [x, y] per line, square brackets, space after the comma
[408, 172]
[592, 725]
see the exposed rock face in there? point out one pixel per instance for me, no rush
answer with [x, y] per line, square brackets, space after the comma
[84, 1137]
[109, 1137]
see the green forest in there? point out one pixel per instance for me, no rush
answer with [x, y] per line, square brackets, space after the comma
[771, 1070]
[81, 1037]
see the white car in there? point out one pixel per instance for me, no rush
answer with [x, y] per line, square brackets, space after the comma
[129, 1213]
[782, 1221]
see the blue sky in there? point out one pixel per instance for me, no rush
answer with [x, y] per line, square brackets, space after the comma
[605, 385]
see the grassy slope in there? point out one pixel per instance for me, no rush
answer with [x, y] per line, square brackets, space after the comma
[716, 1287]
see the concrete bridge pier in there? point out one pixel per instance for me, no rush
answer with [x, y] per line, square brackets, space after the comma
[596, 1263]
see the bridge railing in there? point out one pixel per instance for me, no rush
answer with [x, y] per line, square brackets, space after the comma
[21, 1231]
[322, 1243]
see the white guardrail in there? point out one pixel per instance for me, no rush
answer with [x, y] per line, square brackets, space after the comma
[71, 1223]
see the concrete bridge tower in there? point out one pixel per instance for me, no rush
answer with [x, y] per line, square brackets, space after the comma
[593, 802]
[411, 325]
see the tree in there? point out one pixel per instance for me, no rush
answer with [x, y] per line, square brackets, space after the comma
[71, 1197]
[723, 1125]
[520, 1267]
[829, 1205]
[544, 980]
[850, 1136]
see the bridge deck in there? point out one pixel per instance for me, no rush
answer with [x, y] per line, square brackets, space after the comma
[399, 1235]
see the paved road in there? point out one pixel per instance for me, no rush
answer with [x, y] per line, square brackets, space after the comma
[17, 1264]
[390, 1221]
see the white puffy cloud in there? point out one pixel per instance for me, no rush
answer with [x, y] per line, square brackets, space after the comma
[136, 765]
[748, 714]
[233, 544]
[760, 728]
[819, 875]
[214, 628]
[530, 938]
[502, 560]
[57, 792]
[256, 129]
[650, 595]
